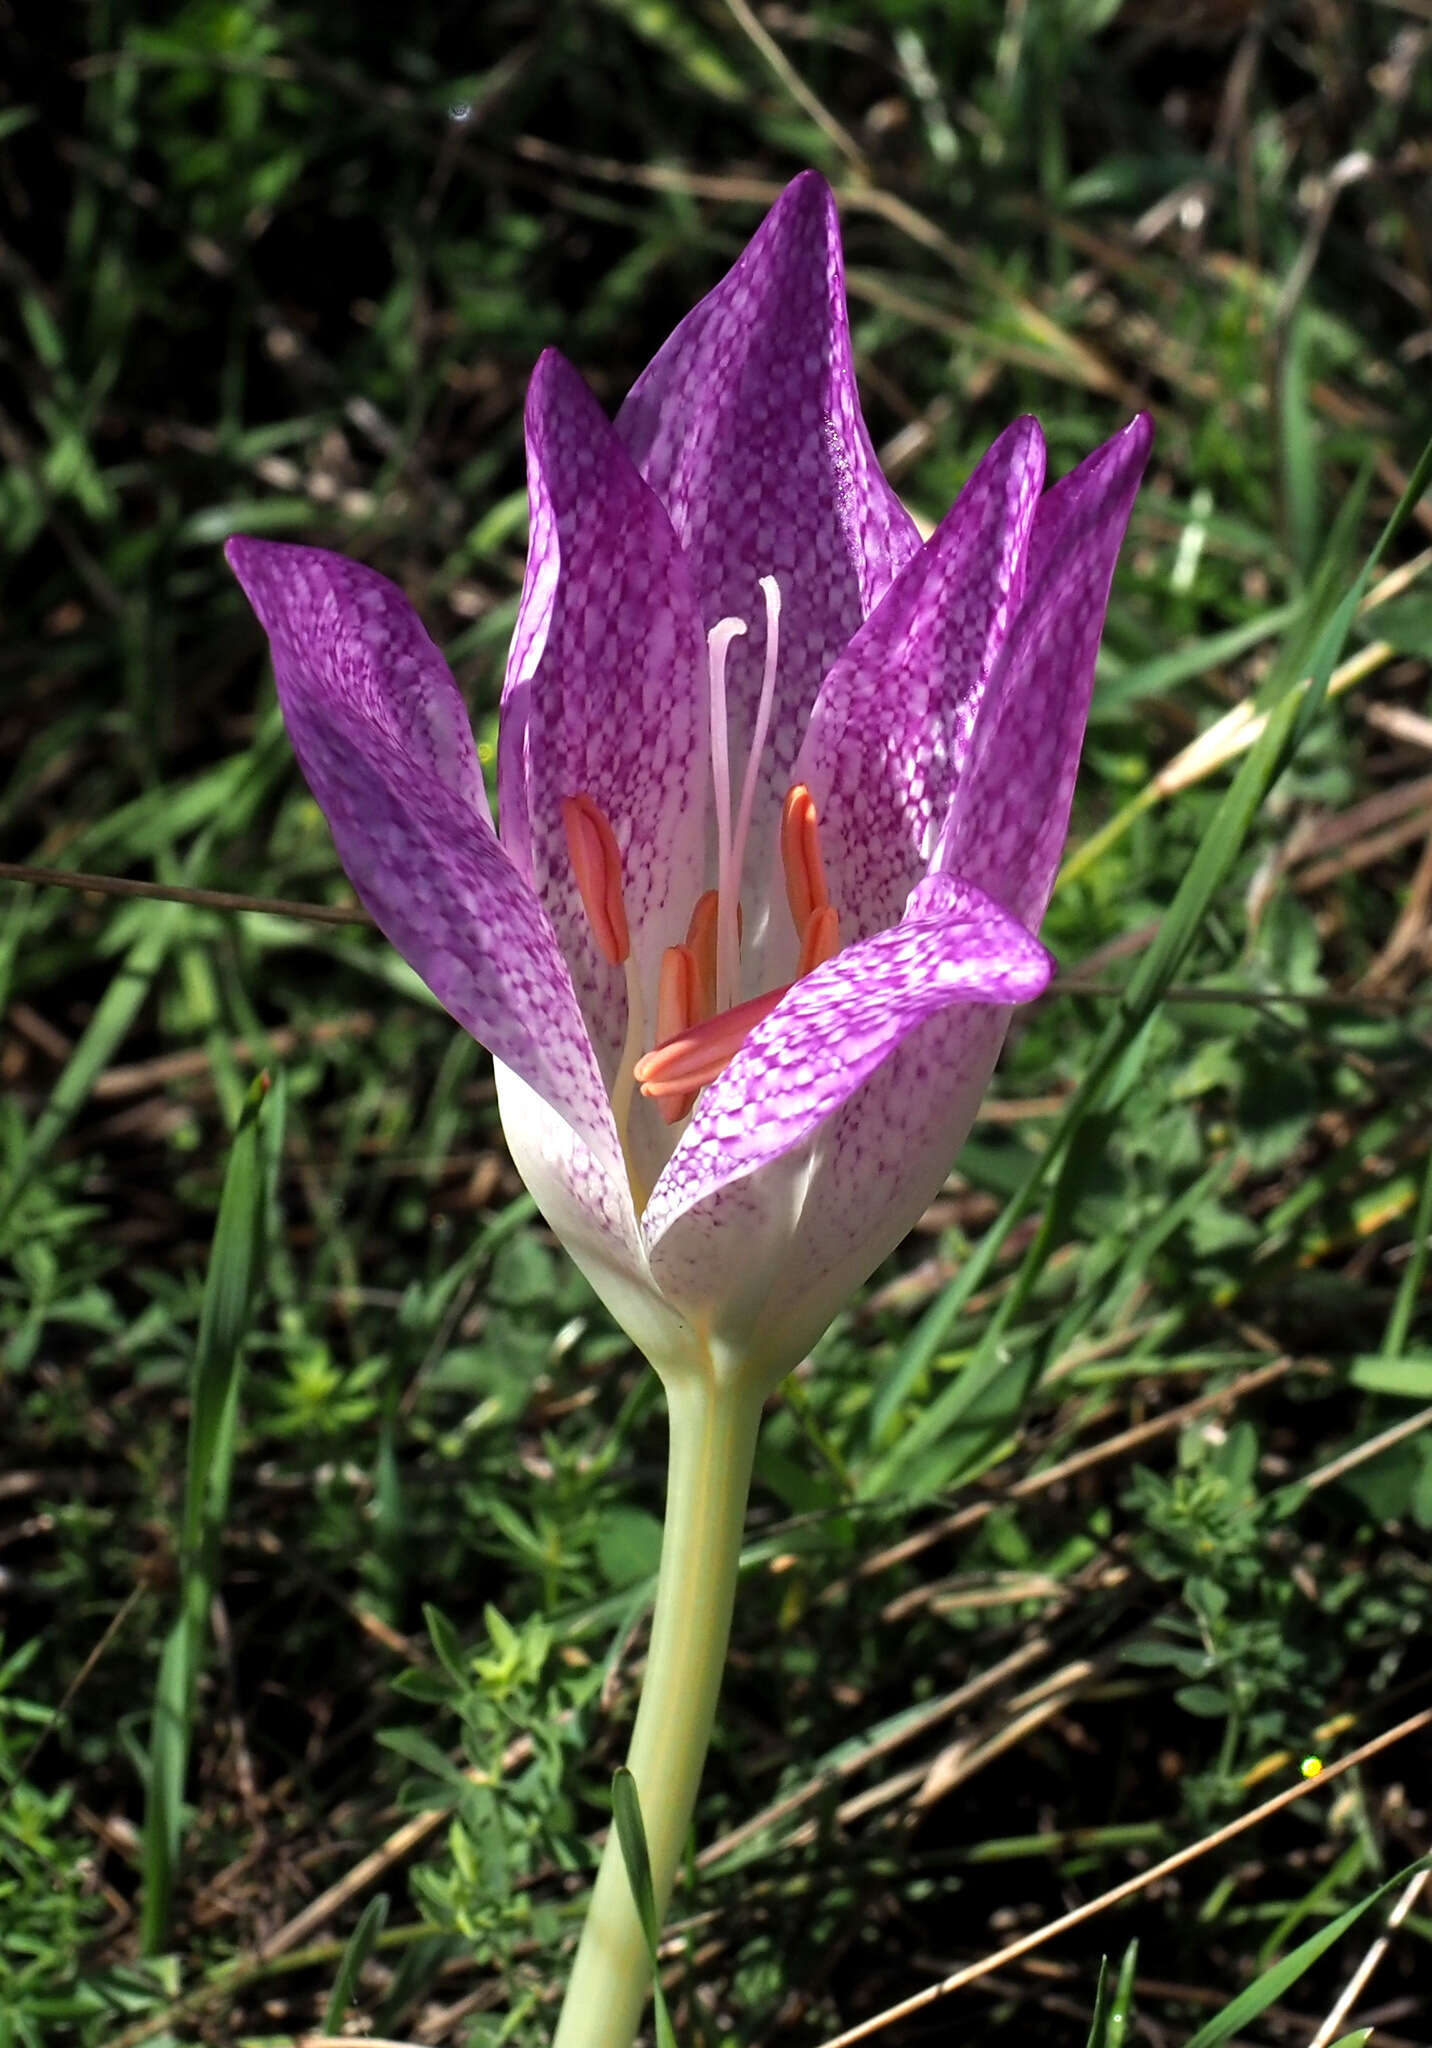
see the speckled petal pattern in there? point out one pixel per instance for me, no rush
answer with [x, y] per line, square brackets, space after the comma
[615, 707]
[364, 654]
[834, 1028]
[1007, 826]
[383, 740]
[747, 424]
[534, 609]
[892, 724]
[772, 1258]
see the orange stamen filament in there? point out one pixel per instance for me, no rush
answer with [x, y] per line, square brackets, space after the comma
[677, 997]
[697, 1056]
[820, 940]
[806, 891]
[693, 1049]
[678, 1008]
[625, 1087]
[597, 871]
[701, 944]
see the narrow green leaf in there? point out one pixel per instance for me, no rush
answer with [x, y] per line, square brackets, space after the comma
[1298, 449]
[359, 1947]
[447, 1643]
[1121, 2016]
[1114, 2002]
[1164, 672]
[107, 1028]
[1103, 1999]
[249, 515]
[631, 1833]
[223, 1321]
[415, 1747]
[626, 1810]
[229, 1291]
[1410, 1375]
[1409, 1291]
[1281, 1976]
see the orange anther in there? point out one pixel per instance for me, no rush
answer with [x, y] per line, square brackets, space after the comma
[820, 941]
[678, 998]
[597, 869]
[672, 1108]
[677, 993]
[701, 944]
[677, 1010]
[697, 1056]
[800, 856]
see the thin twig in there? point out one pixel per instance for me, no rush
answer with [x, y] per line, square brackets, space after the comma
[1155, 1875]
[56, 1720]
[1411, 1425]
[796, 86]
[1032, 1483]
[165, 892]
[871, 1751]
[85, 884]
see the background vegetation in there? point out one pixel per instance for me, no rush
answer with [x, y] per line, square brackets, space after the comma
[1024, 1613]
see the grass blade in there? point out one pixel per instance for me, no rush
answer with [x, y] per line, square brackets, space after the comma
[360, 1946]
[631, 1833]
[229, 1291]
[1281, 1976]
[1113, 2002]
[106, 1030]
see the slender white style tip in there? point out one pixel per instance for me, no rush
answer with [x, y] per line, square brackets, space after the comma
[722, 634]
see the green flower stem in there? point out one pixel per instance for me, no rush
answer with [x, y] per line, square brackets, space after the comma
[712, 1449]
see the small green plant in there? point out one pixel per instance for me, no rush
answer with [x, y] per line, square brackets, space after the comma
[521, 1713]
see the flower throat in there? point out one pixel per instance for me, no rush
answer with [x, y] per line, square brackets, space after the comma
[700, 1026]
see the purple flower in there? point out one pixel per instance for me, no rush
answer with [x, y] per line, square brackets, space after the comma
[782, 792]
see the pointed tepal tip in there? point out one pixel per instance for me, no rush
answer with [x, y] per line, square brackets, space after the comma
[551, 363]
[797, 247]
[556, 382]
[804, 207]
[252, 559]
[549, 373]
[1024, 435]
[807, 188]
[1139, 433]
[807, 199]
[248, 560]
[559, 401]
[258, 564]
[269, 572]
[1134, 445]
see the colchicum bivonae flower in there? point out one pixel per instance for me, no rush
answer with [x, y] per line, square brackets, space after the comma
[782, 791]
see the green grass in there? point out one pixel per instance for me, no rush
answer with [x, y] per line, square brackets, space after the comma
[1106, 1505]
